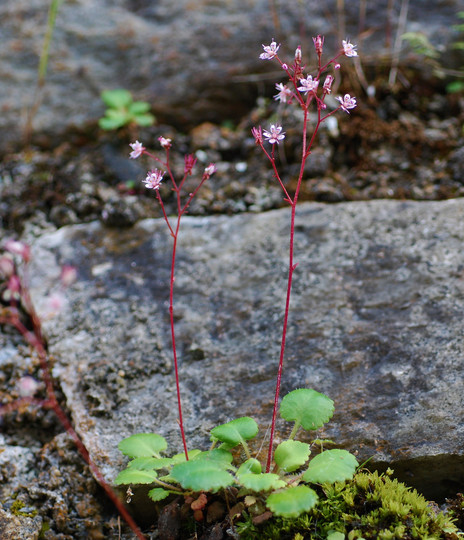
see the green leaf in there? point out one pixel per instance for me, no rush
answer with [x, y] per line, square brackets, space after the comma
[307, 407]
[143, 445]
[292, 502]
[116, 99]
[108, 123]
[261, 482]
[139, 107]
[158, 494]
[235, 431]
[149, 463]
[201, 475]
[251, 465]
[290, 455]
[331, 466]
[135, 476]
[221, 457]
[144, 120]
[179, 458]
[455, 86]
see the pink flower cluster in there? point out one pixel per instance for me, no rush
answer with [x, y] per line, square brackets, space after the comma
[155, 176]
[305, 88]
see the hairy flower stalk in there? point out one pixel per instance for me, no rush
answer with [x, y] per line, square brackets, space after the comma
[305, 92]
[153, 181]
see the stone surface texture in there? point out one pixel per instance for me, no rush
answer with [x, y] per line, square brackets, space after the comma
[376, 323]
[192, 61]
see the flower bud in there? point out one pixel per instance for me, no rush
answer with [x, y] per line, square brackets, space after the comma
[328, 84]
[318, 44]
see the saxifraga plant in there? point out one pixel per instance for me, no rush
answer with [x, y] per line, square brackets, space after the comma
[122, 110]
[153, 181]
[284, 491]
[18, 311]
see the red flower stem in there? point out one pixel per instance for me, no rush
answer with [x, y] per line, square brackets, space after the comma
[173, 335]
[175, 234]
[35, 340]
[291, 267]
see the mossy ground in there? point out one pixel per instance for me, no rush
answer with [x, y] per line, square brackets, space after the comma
[371, 506]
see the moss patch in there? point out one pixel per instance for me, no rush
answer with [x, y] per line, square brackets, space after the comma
[371, 506]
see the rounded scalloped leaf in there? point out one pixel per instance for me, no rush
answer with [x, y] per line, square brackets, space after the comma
[149, 463]
[201, 475]
[222, 458]
[135, 476]
[235, 431]
[261, 482]
[251, 465]
[143, 445]
[291, 455]
[292, 502]
[179, 458]
[309, 408]
[331, 466]
[158, 494]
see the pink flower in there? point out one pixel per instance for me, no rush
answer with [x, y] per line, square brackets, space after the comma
[274, 134]
[284, 93]
[27, 386]
[137, 149]
[165, 143]
[209, 170]
[13, 290]
[270, 51]
[257, 134]
[308, 85]
[349, 48]
[328, 84]
[7, 266]
[298, 54]
[347, 102]
[53, 305]
[318, 43]
[153, 179]
[189, 163]
[18, 248]
[68, 275]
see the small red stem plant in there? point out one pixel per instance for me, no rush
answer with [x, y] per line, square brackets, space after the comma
[304, 91]
[19, 312]
[153, 181]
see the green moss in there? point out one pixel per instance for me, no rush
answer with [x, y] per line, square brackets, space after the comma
[16, 509]
[371, 506]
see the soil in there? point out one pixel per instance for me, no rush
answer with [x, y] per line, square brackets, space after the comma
[402, 144]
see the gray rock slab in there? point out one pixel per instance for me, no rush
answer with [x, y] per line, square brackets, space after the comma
[192, 61]
[376, 323]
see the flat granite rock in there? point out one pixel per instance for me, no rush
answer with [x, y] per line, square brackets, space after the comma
[376, 323]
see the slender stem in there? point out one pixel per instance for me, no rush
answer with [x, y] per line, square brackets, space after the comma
[173, 335]
[306, 147]
[292, 267]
